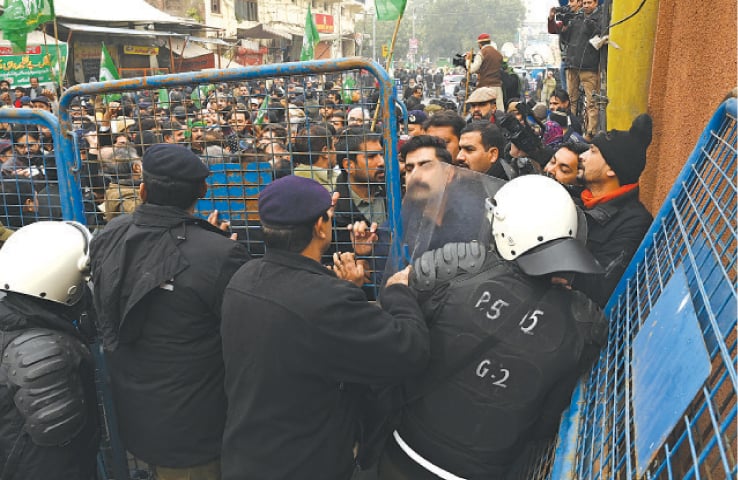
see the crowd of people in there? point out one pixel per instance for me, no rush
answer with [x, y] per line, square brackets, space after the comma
[240, 336]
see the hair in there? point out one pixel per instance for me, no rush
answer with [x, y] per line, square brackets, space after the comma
[427, 141]
[291, 238]
[446, 118]
[14, 193]
[170, 192]
[168, 127]
[560, 94]
[490, 133]
[350, 140]
[18, 134]
[311, 143]
[576, 147]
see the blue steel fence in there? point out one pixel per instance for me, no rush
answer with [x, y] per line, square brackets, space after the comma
[661, 401]
[240, 166]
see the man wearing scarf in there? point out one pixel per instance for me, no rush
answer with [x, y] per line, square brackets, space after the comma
[616, 219]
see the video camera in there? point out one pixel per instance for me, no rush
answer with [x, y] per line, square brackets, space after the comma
[521, 134]
[459, 61]
[564, 14]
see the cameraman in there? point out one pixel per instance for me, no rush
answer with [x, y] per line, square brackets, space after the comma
[583, 60]
[558, 22]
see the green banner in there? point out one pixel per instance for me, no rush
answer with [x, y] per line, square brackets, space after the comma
[38, 61]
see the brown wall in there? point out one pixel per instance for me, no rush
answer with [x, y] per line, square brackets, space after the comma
[694, 66]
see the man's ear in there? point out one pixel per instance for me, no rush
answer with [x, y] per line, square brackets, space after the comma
[494, 154]
[203, 189]
[142, 192]
[318, 230]
[345, 163]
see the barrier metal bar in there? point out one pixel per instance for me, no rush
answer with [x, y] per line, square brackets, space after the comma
[69, 191]
[387, 100]
[695, 230]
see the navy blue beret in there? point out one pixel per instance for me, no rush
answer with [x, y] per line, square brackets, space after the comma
[416, 117]
[293, 200]
[175, 162]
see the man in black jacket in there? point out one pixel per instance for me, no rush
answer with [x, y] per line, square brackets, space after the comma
[48, 409]
[583, 59]
[616, 219]
[301, 343]
[159, 275]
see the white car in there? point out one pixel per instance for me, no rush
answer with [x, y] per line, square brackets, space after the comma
[450, 82]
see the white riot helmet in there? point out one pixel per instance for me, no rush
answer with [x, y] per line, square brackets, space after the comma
[534, 222]
[47, 260]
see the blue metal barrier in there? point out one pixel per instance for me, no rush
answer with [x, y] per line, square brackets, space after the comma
[661, 401]
[234, 183]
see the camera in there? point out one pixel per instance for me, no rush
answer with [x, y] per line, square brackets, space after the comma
[459, 61]
[522, 135]
[564, 14]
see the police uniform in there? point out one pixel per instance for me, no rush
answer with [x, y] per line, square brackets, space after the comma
[48, 423]
[300, 347]
[474, 423]
[160, 274]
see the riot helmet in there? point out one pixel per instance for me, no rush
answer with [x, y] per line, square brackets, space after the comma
[535, 223]
[47, 260]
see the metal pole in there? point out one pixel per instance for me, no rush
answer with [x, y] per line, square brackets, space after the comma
[374, 37]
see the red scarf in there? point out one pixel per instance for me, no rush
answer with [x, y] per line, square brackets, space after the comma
[590, 200]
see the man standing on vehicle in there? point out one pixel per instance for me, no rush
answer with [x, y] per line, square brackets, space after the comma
[487, 64]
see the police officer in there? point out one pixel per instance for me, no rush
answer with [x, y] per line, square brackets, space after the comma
[508, 340]
[301, 343]
[159, 275]
[48, 410]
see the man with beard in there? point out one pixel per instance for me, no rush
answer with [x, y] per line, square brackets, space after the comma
[361, 183]
[564, 164]
[482, 105]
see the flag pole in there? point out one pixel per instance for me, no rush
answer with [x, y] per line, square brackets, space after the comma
[58, 55]
[389, 63]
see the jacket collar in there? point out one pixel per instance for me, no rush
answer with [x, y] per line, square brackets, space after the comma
[295, 260]
[602, 213]
[167, 217]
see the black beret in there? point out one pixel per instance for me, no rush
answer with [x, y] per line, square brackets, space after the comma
[293, 200]
[175, 162]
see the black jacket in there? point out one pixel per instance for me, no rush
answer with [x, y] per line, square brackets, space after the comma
[580, 54]
[475, 422]
[73, 460]
[615, 230]
[299, 344]
[160, 275]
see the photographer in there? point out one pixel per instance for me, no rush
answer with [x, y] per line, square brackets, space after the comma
[583, 59]
[526, 152]
[487, 64]
[558, 22]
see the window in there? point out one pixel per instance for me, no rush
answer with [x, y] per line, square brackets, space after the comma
[215, 6]
[247, 10]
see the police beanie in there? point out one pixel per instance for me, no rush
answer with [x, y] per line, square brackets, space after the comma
[175, 162]
[625, 151]
[293, 200]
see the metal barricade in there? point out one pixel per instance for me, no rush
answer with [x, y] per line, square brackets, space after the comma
[661, 401]
[34, 184]
[250, 126]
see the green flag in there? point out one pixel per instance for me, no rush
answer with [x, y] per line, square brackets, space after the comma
[263, 109]
[310, 38]
[163, 101]
[389, 9]
[347, 89]
[108, 72]
[23, 16]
